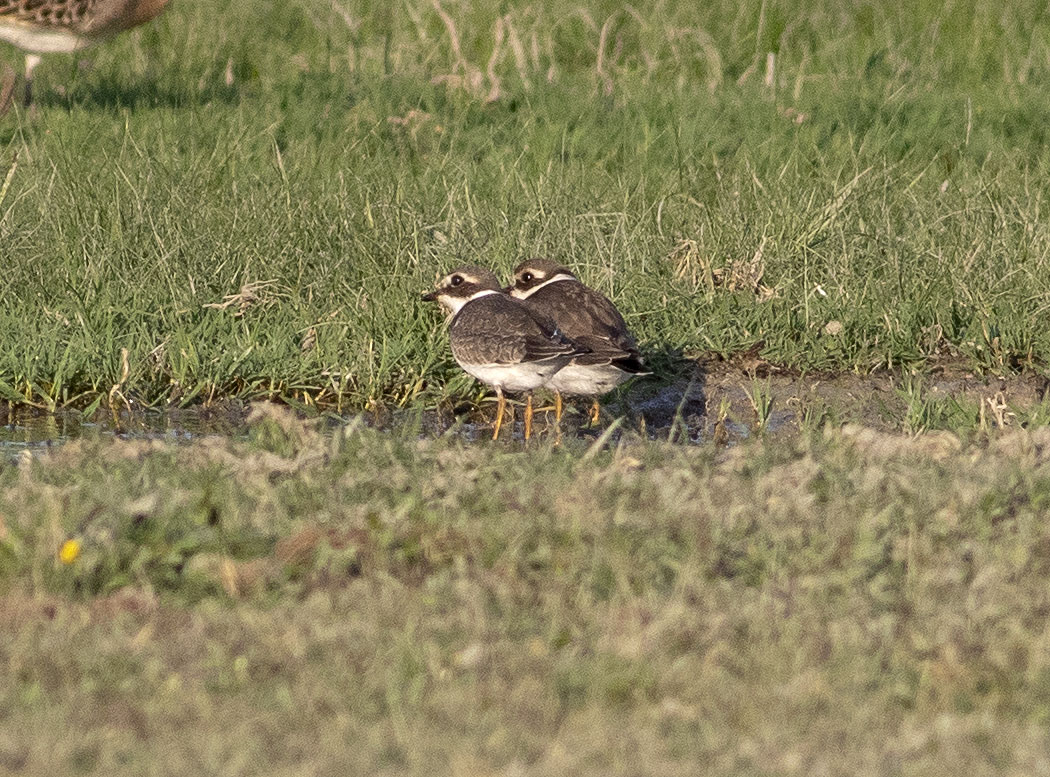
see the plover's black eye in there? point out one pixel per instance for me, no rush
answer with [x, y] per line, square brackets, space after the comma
[527, 276]
[456, 280]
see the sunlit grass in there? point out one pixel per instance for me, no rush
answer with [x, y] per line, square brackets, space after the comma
[869, 196]
[310, 602]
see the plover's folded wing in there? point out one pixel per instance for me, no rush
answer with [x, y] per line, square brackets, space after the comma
[580, 310]
[497, 329]
[600, 353]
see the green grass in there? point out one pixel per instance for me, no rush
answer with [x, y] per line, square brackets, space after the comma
[878, 200]
[849, 602]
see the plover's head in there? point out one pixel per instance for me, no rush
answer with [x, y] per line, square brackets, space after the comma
[461, 286]
[531, 274]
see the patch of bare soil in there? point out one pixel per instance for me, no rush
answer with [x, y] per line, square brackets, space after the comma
[738, 398]
[724, 401]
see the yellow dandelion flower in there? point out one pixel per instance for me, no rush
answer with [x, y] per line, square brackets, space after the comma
[69, 551]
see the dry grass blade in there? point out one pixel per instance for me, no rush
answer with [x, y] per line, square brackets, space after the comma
[520, 58]
[598, 445]
[599, 64]
[499, 33]
[834, 206]
[352, 24]
[741, 275]
[8, 178]
[469, 76]
[7, 88]
[252, 294]
[691, 265]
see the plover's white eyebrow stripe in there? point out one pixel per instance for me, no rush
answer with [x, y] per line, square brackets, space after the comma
[562, 276]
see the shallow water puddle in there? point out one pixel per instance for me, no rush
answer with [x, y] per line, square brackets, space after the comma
[722, 403]
[40, 432]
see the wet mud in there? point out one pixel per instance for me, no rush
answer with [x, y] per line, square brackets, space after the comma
[723, 402]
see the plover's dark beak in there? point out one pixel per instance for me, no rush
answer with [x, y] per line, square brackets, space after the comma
[508, 289]
[430, 296]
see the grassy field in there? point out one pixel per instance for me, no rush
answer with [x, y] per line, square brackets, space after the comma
[246, 199]
[366, 603]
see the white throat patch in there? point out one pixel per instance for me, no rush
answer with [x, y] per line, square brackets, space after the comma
[454, 304]
[562, 276]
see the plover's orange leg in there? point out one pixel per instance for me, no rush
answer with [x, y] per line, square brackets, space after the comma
[501, 404]
[557, 417]
[596, 413]
[528, 416]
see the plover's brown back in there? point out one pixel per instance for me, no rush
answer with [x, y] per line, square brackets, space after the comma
[498, 339]
[587, 317]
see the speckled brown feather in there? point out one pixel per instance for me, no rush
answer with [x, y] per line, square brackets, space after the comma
[589, 318]
[84, 17]
[49, 13]
[497, 329]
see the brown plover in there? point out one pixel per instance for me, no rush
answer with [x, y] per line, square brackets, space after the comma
[588, 318]
[499, 340]
[61, 26]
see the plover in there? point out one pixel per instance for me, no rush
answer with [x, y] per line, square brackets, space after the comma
[499, 340]
[61, 26]
[588, 318]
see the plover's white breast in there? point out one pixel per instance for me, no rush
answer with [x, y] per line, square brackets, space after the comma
[524, 376]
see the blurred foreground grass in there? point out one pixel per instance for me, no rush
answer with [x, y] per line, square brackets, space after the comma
[245, 199]
[359, 603]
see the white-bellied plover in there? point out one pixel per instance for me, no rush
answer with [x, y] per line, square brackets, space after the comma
[589, 319]
[498, 339]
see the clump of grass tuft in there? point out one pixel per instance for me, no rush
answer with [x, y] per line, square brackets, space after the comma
[447, 601]
[733, 176]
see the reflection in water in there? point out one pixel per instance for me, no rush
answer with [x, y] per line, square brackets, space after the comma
[38, 433]
[676, 413]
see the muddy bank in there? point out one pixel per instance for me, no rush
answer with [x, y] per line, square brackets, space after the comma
[742, 398]
[728, 401]
[721, 401]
